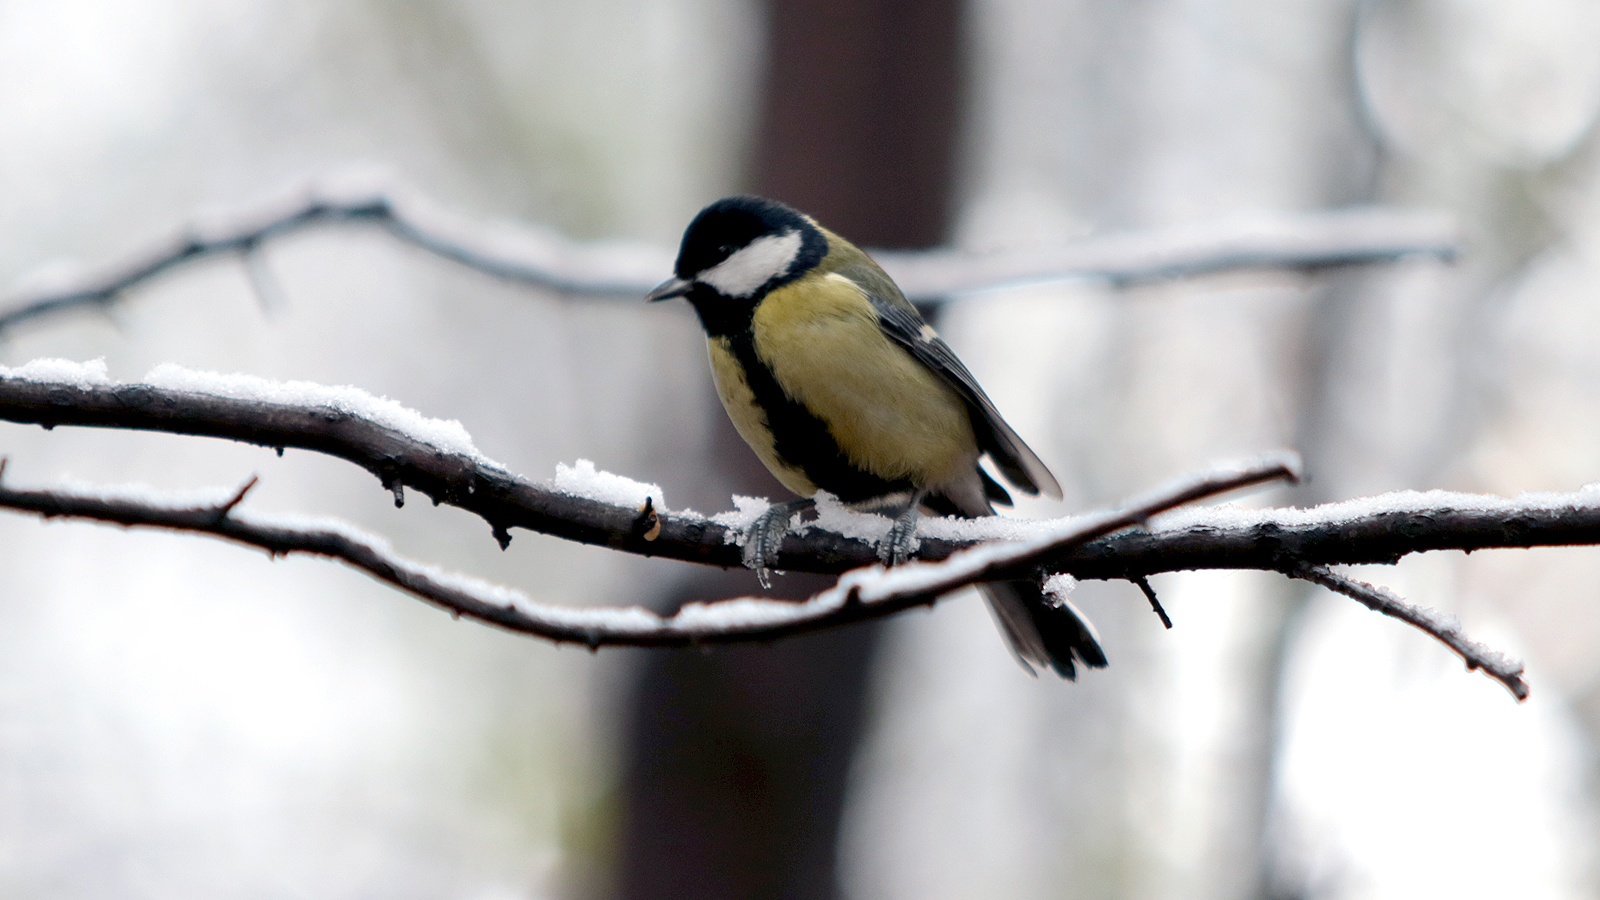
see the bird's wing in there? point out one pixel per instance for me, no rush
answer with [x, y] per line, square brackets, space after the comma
[906, 327]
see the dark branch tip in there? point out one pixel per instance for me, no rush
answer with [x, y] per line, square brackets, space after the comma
[227, 507]
[502, 536]
[1155, 602]
[1292, 468]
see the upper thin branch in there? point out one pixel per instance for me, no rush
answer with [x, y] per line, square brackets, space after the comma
[541, 257]
[1278, 540]
[1301, 240]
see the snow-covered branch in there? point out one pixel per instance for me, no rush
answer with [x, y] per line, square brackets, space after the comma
[867, 593]
[544, 258]
[1495, 664]
[406, 450]
[870, 592]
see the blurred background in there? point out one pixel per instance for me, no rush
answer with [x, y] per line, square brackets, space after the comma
[183, 718]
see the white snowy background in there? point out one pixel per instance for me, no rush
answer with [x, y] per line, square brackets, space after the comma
[182, 718]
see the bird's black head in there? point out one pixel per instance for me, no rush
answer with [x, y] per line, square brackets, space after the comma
[738, 244]
[739, 248]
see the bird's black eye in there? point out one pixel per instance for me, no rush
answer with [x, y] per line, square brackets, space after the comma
[725, 250]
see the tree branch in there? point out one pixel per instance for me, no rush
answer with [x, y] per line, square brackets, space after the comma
[409, 452]
[543, 258]
[405, 449]
[1495, 664]
[1305, 240]
[863, 594]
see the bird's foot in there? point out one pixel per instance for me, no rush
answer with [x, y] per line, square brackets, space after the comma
[897, 545]
[764, 538]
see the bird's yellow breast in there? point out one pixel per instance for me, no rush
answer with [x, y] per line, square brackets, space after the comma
[888, 413]
[749, 419]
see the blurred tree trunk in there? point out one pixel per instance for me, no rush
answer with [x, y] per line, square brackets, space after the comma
[736, 758]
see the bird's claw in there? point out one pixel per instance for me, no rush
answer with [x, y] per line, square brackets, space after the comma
[897, 546]
[764, 539]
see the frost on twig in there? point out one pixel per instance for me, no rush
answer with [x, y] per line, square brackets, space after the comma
[541, 257]
[1495, 664]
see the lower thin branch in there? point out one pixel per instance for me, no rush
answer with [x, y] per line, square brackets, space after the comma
[867, 593]
[1495, 664]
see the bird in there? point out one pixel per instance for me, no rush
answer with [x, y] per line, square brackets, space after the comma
[839, 385]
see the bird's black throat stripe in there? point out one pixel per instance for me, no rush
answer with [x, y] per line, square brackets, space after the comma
[800, 438]
[719, 315]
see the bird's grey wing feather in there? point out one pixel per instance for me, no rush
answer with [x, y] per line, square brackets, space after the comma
[1021, 466]
[1040, 632]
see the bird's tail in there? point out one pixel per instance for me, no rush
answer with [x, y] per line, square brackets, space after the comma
[1043, 631]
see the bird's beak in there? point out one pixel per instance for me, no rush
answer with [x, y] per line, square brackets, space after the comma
[666, 290]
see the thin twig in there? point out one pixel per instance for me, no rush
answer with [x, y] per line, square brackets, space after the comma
[270, 295]
[237, 498]
[1495, 664]
[543, 258]
[1143, 584]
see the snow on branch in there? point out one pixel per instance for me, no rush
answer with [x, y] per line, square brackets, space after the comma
[402, 448]
[1495, 664]
[867, 593]
[870, 592]
[406, 450]
[541, 257]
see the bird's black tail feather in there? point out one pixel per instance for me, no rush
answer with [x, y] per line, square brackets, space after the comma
[1043, 631]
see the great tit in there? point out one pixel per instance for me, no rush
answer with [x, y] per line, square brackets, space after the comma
[838, 384]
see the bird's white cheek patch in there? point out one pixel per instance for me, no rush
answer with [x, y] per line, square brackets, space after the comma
[765, 258]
